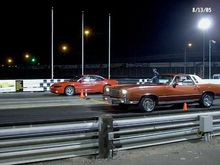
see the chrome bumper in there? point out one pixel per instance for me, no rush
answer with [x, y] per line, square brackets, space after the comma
[117, 101]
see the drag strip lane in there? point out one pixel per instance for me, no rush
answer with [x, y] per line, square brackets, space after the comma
[48, 100]
[47, 107]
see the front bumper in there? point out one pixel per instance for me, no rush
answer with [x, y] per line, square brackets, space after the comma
[117, 101]
[56, 90]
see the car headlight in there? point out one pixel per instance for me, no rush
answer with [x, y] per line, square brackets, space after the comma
[124, 92]
[107, 89]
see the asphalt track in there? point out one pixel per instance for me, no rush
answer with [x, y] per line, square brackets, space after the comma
[37, 107]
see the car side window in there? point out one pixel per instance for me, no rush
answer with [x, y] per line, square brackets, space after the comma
[85, 79]
[178, 80]
[188, 81]
[92, 79]
[99, 78]
[195, 79]
[96, 78]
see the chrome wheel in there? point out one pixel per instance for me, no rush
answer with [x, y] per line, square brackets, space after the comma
[207, 100]
[69, 91]
[147, 104]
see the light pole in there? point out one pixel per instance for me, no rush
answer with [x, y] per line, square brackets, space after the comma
[210, 55]
[204, 24]
[82, 43]
[109, 46]
[189, 45]
[52, 37]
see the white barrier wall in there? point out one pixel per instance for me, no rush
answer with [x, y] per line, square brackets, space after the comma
[7, 86]
[35, 85]
[32, 85]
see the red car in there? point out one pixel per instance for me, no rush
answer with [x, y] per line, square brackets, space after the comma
[90, 83]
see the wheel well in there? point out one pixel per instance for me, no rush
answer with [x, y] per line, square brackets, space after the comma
[209, 92]
[106, 85]
[151, 96]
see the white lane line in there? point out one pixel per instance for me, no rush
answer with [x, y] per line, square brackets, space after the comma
[50, 103]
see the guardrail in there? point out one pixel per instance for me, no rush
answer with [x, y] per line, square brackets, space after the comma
[25, 144]
[150, 131]
[101, 137]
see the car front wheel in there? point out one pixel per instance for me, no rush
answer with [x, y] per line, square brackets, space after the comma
[147, 104]
[207, 100]
[104, 88]
[69, 91]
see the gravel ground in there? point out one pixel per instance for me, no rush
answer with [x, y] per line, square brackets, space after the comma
[191, 152]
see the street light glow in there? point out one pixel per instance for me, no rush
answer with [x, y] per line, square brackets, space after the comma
[204, 23]
[64, 48]
[27, 56]
[189, 44]
[9, 60]
[86, 32]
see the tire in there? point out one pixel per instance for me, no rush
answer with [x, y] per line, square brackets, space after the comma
[147, 104]
[207, 100]
[69, 91]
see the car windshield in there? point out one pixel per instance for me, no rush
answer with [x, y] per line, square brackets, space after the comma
[76, 78]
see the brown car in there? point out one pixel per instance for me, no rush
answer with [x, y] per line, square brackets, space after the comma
[171, 89]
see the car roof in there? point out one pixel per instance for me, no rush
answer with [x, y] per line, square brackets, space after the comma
[177, 74]
[92, 75]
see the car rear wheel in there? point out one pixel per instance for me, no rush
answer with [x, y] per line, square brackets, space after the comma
[69, 91]
[207, 100]
[147, 104]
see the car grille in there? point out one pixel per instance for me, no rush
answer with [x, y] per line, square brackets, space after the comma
[114, 93]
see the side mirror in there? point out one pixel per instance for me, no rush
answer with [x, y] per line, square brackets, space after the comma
[175, 84]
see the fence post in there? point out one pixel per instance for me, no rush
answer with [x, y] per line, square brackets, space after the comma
[105, 126]
[206, 126]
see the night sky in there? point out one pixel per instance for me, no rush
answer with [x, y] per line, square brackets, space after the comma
[139, 29]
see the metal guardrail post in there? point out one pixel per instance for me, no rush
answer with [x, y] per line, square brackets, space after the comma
[105, 126]
[206, 127]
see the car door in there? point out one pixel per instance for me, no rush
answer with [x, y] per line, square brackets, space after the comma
[97, 83]
[86, 84]
[184, 90]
